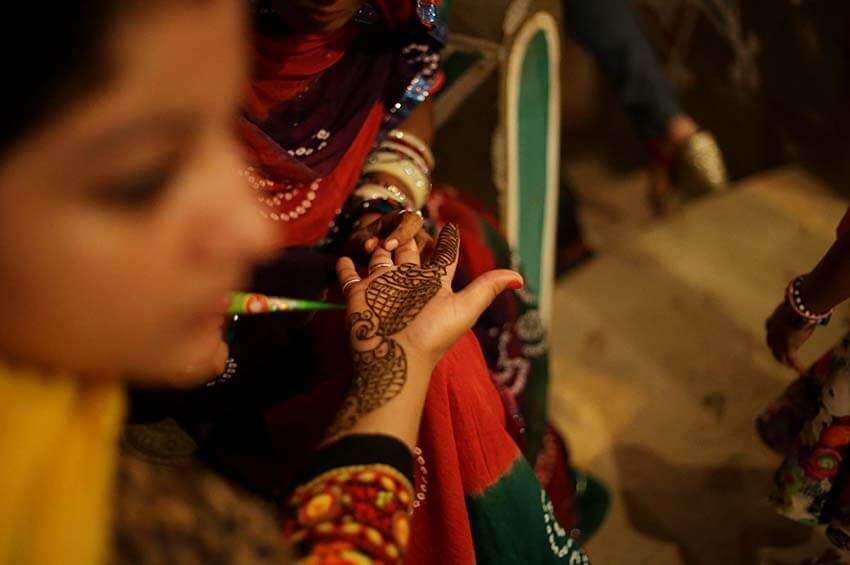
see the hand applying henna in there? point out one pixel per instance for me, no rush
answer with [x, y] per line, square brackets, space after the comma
[403, 317]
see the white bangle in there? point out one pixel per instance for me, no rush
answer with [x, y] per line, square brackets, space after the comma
[371, 191]
[415, 143]
[407, 152]
[415, 180]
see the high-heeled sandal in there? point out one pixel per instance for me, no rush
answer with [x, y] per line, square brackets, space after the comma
[698, 167]
[694, 168]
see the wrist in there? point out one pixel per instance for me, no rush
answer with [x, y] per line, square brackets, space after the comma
[794, 320]
[352, 217]
[388, 179]
[420, 360]
[407, 161]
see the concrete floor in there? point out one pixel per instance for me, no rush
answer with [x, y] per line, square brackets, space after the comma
[660, 366]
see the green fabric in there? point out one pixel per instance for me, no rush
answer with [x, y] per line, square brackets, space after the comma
[594, 501]
[533, 127]
[534, 398]
[513, 522]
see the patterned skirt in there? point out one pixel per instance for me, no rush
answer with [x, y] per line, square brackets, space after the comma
[810, 425]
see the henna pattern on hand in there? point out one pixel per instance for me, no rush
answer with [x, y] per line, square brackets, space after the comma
[446, 250]
[394, 299]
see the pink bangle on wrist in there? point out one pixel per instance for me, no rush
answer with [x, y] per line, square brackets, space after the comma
[795, 301]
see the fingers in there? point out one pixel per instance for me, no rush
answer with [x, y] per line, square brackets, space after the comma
[446, 250]
[408, 253]
[795, 342]
[346, 273]
[793, 361]
[380, 263]
[475, 298]
[350, 281]
[365, 234]
[371, 244]
[777, 353]
[425, 244]
[409, 223]
[779, 348]
[784, 352]
[394, 228]
[363, 239]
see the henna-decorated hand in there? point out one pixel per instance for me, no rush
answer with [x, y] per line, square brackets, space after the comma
[404, 316]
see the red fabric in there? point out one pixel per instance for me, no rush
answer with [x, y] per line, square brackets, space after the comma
[551, 463]
[284, 66]
[466, 449]
[552, 470]
[331, 191]
[446, 206]
[463, 438]
[395, 12]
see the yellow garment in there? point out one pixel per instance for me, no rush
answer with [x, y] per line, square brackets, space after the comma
[58, 449]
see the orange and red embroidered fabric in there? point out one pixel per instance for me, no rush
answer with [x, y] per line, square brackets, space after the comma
[355, 515]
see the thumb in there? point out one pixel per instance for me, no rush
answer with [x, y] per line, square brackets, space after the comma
[475, 298]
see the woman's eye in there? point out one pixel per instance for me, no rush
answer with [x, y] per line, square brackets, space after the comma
[139, 190]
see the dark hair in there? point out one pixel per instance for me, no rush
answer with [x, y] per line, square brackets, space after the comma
[52, 53]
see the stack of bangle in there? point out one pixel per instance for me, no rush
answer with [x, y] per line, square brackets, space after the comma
[795, 301]
[389, 192]
[406, 158]
[401, 155]
[406, 138]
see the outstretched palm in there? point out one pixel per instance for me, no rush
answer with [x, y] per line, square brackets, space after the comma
[405, 312]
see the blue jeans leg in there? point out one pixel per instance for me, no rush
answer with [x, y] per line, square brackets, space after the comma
[611, 32]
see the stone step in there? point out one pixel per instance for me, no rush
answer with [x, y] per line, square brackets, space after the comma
[660, 367]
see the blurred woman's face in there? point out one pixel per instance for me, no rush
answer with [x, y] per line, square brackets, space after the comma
[123, 222]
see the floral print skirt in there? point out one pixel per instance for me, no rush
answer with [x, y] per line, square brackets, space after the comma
[810, 425]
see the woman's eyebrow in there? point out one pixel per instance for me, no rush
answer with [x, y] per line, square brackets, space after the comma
[175, 124]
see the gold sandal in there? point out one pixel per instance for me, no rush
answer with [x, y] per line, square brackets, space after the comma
[698, 168]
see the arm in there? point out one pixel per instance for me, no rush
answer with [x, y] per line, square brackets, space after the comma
[355, 500]
[827, 286]
[421, 122]
[374, 229]
[403, 317]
